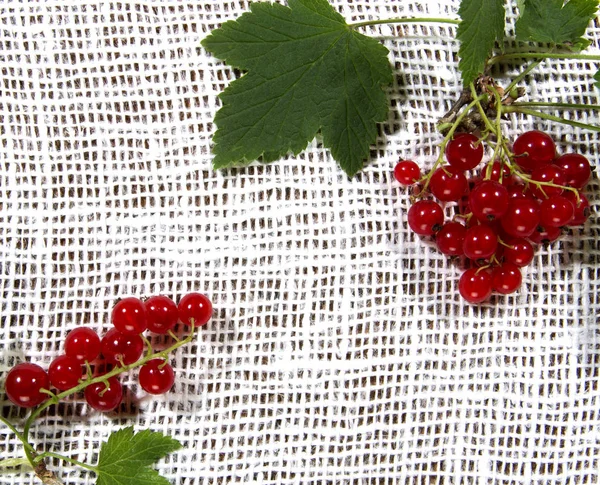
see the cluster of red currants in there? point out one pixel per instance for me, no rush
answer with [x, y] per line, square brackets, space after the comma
[27, 384]
[499, 213]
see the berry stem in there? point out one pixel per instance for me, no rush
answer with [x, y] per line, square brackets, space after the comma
[546, 116]
[542, 55]
[49, 454]
[404, 20]
[543, 104]
[522, 75]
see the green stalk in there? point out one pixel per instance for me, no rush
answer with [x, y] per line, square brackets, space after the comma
[522, 75]
[72, 461]
[543, 55]
[407, 20]
[544, 104]
[546, 116]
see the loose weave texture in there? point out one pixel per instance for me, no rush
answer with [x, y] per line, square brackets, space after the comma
[340, 350]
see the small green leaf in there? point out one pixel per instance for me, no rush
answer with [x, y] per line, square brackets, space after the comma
[307, 71]
[597, 79]
[556, 22]
[126, 457]
[481, 25]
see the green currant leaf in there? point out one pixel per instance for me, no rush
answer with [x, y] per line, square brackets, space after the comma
[126, 457]
[556, 22]
[597, 79]
[481, 25]
[307, 70]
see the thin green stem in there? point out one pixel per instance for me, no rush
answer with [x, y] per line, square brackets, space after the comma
[49, 454]
[542, 55]
[546, 116]
[404, 20]
[522, 75]
[17, 433]
[547, 104]
[486, 120]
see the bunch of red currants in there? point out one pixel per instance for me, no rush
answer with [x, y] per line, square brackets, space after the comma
[500, 213]
[28, 384]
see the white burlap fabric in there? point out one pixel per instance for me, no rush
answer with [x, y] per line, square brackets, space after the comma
[340, 350]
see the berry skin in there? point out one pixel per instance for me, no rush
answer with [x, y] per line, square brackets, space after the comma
[82, 344]
[521, 217]
[494, 172]
[450, 238]
[475, 285]
[506, 278]
[518, 252]
[545, 235]
[64, 372]
[534, 149]
[156, 376]
[162, 314]
[23, 384]
[581, 207]
[425, 217]
[488, 200]
[407, 172]
[480, 242]
[117, 346]
[195, 306]
[556, 211]
[448, 184]
[129, 316]
[547, 173]
[576, 168]
[103, 398]
[464, 152]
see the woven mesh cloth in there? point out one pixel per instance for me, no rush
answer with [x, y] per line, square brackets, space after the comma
[340, 350]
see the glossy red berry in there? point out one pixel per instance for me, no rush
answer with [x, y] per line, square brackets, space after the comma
[518, 252]
[129, 316]
[65, 372]
[548, 174]
[448, 184]
[162, 314]
[450, 239]
[23, 384]
[576, 168]
[496, 171]
[195, 306]
[521, 217]
[156, 376]
[534, 149]
[506, 278]
[480, 242]
[475, 285]
[581, 207]
[557, 211]
[425, 217]
[488, 200]
[102, 397]
[407, 172]
[545, 235]
[117, 347]
[464, 151]
[82, 344]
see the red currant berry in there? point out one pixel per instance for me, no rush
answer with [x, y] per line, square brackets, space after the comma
[23, 384]
[162, 314]
[450, 238]
[518, 252]
[65, 372]
[506, 278]
[545, 235]
[448, 184]
[534, 149]
[480, 242]
[519, 191]
[557, 211]
[195, 306]
[488, 200]
[495, 171]
[581, 206]
[407, 172]
[117, 347]
[464, 152]
[156, 376]
[82, 344]
[103, 397]
[129, 316]
[548, 173]
[576, 168]
[521, 217]
[425, 217]
[475, 285]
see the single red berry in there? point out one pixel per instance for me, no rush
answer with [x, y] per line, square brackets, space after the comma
[581, 207]
[117, 347]
[464, 151]
[518, 252]
[534, 149]
[129, 316]
[496, 170]
[506, 278]
[23, 384]
[450, 239]
[407, 172]
[557, 211]
[103, 397]
[488, 200]
[480, 242]
[156, 376]
[549, 174]
[425, 217]
[195, 306]
[545, 235]
[162, 314]
[519, 191]
[65, 372]
[475, 285]
[521, 217]
[448, 184]
[576, 168]
[82, 344]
